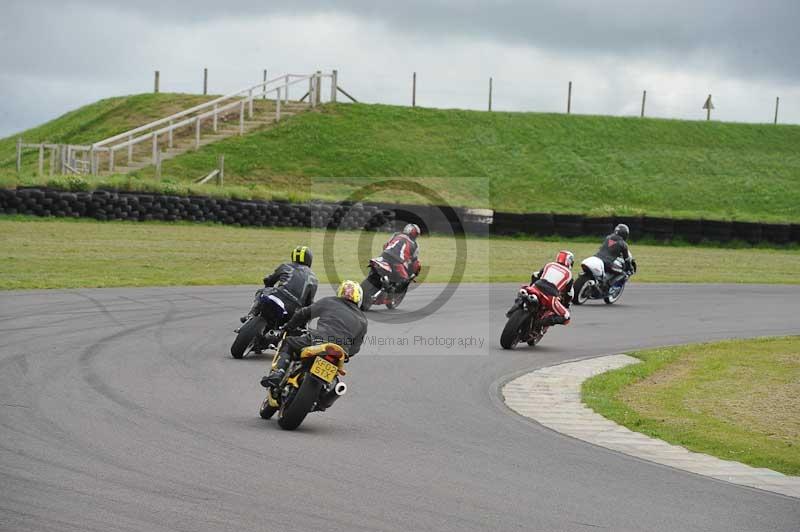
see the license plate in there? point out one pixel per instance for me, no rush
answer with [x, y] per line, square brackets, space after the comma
[324, 369]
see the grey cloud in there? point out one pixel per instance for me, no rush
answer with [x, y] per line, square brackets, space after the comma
[749, 38]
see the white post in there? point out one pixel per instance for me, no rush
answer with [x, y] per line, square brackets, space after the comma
[197, 134]
[155, 147]
[250, 104]
[311, 91]
[111, 160]
[52, 158]
[91, 160]
[278, 105]
[169, 134]
[215, 118]
[286, 89]
[264, 86]
[334, 84]
[241, 118]
[158, 165]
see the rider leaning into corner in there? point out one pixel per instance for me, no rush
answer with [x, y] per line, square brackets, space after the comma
[613, 247]
[402, 252]
[554, 285]
[291, 286]
[340, 321]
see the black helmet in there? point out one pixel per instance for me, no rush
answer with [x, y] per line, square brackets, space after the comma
[302, 255]
[623, 231]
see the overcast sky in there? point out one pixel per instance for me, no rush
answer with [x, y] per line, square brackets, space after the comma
[58, 55]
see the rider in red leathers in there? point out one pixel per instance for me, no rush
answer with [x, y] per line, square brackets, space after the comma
[402, 252]
[553, 285]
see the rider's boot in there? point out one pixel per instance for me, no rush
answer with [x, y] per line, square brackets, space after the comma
[547, 321]
[275, 376]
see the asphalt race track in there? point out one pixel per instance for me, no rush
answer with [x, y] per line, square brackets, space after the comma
[121, 409]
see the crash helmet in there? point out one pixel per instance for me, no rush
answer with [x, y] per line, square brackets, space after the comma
[623, 231]
[565, 258]
[412, 230]
[302, 255]
[350, 291]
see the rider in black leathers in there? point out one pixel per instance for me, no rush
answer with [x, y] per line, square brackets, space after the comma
[291, 286]
[341, 321]
[613, 247]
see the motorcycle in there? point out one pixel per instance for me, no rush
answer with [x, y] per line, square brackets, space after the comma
[594, 281]
[379, 289]
[311, 384]
[258, 332]
[524, 320]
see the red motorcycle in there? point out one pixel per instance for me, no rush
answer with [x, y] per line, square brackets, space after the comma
[381, 288]
[524, 318]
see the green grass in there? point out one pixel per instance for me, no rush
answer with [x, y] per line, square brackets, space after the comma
[67, 253]
[532, 161]
[737, 400]
[95, 122]
[519, 162]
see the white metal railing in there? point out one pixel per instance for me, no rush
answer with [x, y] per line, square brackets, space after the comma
[164, 128]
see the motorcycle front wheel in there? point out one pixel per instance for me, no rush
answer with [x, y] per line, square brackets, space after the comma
[368, 291]
[614, 293]
[293, 412]
[516, 327]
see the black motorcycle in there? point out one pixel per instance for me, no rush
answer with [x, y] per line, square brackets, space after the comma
[311, 384]
[596, 283]
[379, 288]
[259, 330]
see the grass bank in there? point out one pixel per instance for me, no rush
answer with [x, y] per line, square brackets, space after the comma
[517, 162]
[737, 400]
[72, 253]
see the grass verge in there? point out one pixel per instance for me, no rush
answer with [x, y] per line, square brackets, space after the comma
[737, 400]
[72, 253]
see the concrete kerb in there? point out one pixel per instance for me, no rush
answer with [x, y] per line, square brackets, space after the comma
[551, 396]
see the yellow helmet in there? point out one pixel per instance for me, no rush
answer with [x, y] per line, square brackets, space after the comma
[351, 291]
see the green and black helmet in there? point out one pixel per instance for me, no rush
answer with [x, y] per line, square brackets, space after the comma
[302, 255]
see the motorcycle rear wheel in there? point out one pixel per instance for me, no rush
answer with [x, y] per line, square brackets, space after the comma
[246, 337]
[582, 289]
[291, 414]
[368, 291]
[512, 332]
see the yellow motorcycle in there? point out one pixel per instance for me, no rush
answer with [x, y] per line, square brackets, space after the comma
[311, 384]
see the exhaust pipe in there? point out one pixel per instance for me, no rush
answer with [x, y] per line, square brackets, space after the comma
[328, 399]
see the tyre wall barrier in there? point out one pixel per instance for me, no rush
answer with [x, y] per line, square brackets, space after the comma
[115, 205]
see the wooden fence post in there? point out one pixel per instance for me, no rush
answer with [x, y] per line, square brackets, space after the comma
[644, 98]
[156, 82]
[334, 84]
[490, 94]
[286, 89]
[19, 154]
[414, 90]
[264, 97]
[569, 98]
[318, 87]
[52, 158]
[41, 160]
[777, 103]
[205, 81]
[241, 118]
